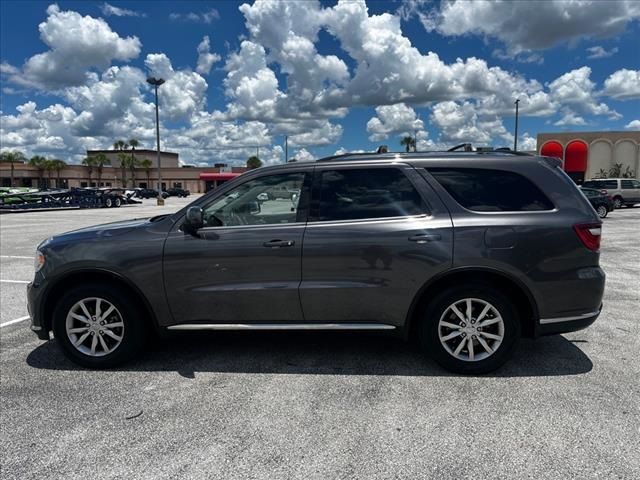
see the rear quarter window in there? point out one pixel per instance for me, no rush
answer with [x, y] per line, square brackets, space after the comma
[484, 190]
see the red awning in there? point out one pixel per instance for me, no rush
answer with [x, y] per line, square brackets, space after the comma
[218, 176]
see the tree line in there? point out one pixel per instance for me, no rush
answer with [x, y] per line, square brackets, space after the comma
[43, 164]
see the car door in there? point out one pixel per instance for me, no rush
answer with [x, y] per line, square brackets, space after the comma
[375, 235]
[244, 265]
[630, 190]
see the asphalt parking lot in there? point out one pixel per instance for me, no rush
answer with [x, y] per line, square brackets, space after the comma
[269, 406]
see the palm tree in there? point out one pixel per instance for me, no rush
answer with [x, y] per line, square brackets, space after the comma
[146, 164]
[133, 143]
[49, 167]
[90, 162]
[253, 162]
[11, 158]
[41, 164]
[100, 161]
[409, 143]
[57, 165]
[124, 161]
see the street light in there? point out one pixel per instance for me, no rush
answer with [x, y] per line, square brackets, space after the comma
[515, 137]
[156, 82]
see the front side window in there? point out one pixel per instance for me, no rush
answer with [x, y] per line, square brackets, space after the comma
[483, 190]
[268, 200]
[353, 194]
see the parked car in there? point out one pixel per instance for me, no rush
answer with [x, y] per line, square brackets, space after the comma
[602, 203]
[463, 253]
[623, 191]
[146, 193]
[177, 192]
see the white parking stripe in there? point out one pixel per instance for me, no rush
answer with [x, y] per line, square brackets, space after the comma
[16, 320]
[16, 256]
[14, 281]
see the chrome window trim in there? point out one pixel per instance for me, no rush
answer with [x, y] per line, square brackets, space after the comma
[360, 221]
[584, 316]
[256, 226]
[282, 326]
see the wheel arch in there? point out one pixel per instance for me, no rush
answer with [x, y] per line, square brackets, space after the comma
[523, 299]
[84, 276]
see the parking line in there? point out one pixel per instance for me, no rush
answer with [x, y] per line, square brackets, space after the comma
[16, 320]
[14, 281]
[16, 256]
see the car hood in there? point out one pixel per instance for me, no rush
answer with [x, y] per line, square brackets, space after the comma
[97, 232]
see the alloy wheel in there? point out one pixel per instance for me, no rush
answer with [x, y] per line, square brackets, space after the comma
[471, 329]
[602, 211]
[94, 327]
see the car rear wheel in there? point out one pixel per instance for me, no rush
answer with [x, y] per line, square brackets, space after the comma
[117, 202]
[471, 329]
[617, 202]
[97, 326]
[602, 211]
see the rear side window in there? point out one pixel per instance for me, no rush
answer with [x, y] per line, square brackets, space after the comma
[627, 183]
[352, 194]
[601, 184]
[483, 190]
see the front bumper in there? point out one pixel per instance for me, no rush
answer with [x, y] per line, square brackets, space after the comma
[553, 326]
[38, 325]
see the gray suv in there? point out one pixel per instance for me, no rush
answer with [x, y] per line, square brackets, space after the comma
[463, 252]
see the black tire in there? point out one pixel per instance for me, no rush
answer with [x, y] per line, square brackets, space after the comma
[117, 202]
[602, 211]
[108, 202]
[133, 333]
[617, 202]
[429, 328]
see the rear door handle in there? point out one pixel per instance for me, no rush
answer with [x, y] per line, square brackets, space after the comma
[279, 243]
[426, 237]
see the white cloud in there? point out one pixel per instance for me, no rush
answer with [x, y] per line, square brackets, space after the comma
[108, 10]
[184, 92]
[623, 85]
[398, 118]
[633, 125]
[202, 17]
[576, 91]
[77, 45]
[206, 59]
[460, 122]
[570, 119]
[303, 155]
[530, 25]
[600, 52]
[527, 143]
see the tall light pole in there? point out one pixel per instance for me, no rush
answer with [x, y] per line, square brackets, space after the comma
[156, 82]
[515, 137]
[286, 149]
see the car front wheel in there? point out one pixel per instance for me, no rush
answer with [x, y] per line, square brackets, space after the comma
[617, 202]
[470, 330]
[602, 211]
[97, 326]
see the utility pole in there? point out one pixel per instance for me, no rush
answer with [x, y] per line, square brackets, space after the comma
[286, 149]
[156, 82]
[515, 137]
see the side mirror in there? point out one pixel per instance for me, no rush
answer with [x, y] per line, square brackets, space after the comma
[254, 207]
[194, 220]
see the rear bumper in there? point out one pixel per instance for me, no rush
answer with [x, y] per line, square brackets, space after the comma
[552, 326]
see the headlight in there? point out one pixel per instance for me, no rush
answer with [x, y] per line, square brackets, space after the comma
[39, 260]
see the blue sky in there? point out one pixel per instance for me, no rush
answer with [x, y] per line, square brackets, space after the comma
[333, 76]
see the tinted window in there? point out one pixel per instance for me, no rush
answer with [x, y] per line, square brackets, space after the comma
[353, 194]
[627, 183]
[271, 199]
[601, 184]
[491, 190]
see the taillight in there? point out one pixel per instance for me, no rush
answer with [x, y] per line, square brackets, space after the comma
[589, 234]
[604, 192]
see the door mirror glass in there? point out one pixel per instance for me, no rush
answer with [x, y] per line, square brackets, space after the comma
[194, 220]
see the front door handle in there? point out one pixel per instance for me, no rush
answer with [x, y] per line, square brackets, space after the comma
[426, 237]
[279, 243]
